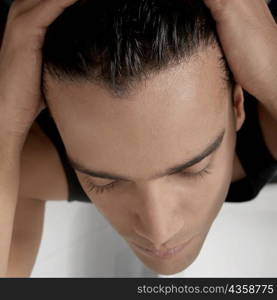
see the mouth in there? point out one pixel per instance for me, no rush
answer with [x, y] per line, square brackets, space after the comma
[162, 254]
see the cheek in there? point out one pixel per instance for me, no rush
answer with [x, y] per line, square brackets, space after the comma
[116, 213]
[211, 195]
[111, 205]
[201, 212]
[106, 204]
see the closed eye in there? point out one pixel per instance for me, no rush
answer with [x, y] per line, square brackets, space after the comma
[197, 175]
[110, 186]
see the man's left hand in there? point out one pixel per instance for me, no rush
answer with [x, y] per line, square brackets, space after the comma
[248, 34]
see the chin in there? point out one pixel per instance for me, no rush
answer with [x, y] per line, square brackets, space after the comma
[174, 264]
[168, 267]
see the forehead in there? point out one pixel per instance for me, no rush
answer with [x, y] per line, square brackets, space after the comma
[166, 119]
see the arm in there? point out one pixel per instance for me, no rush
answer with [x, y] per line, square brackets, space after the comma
[26, 238]
[20, 98]
[268, 125]
[29, 215]
[9, 186]
[248, 34]
[36, 176]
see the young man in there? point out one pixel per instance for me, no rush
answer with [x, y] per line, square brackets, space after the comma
[150, 127]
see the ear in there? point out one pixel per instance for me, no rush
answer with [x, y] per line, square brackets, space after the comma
[238, 106]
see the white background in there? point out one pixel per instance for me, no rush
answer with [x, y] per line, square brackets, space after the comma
[78, 242]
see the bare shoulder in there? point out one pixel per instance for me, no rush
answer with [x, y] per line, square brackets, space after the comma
[42, 173]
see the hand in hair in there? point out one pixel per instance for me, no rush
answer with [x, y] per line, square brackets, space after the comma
[21, 61]
[248, 34]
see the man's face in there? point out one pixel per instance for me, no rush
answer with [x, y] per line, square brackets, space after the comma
[167, 121]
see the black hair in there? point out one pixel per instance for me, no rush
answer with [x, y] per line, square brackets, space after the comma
[117, 43]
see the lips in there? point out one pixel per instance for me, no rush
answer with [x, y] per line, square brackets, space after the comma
[164, 253]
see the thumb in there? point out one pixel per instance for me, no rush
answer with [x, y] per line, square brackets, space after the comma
[218, 8]
[237, 10]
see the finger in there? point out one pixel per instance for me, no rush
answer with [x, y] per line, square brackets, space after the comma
[20, 6]
[224, 10]
[29, 19]
[47, 11]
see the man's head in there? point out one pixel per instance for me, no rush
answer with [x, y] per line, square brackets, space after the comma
[138, 88]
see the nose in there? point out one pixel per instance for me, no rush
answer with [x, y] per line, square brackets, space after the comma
[158, 218]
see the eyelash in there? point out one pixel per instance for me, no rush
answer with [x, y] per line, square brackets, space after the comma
[100, 189]
[199, 175]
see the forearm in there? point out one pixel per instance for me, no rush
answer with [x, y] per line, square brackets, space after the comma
[268, 90]
[22, 257]
[27, 235]
[270, 105]
[9, 186]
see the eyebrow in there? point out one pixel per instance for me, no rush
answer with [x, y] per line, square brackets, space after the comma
[212, 147]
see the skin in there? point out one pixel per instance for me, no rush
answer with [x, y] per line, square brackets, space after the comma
[166, 120]
[248, 35]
